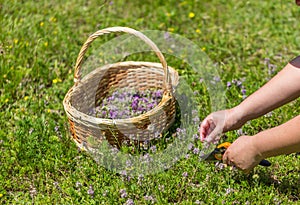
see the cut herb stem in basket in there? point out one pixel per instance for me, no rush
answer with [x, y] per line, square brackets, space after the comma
[126, 103]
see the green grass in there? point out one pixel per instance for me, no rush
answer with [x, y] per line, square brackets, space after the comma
[40, 41]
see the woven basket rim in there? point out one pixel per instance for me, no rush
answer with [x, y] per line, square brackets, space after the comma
[96, 120]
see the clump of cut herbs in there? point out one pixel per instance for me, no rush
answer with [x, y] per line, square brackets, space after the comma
[126, 103]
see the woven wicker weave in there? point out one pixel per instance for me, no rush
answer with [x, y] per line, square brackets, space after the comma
[96, 85]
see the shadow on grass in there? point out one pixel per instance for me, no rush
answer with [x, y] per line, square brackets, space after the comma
[286, 183]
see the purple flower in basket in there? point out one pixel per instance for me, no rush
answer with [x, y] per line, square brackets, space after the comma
[110, 98]
[124, 103]
[159, 93]
[151, 105]
[140, 109]
[145, 100]
[135, 103]
[113, 114]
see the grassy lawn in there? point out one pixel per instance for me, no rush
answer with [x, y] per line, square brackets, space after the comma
[250, 41]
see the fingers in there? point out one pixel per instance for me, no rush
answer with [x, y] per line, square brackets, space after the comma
[228, 158]
[203, 129]
[212, 126]
[206, 128]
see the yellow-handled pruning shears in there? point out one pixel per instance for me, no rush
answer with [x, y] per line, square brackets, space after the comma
[217, 154]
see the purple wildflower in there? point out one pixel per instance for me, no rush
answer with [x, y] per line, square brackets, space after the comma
[105, 193]
[240, 132]
[123, 193]
[190, 146]
[196, 120]
[266, 61]
[78, 184]
[33, 191]
[156, 135]
[166, 35]
[149, 198]
[147, 158]
[220, 165]
[269, 114]
[271, 68]
[184, 174]
[217, 79]
[196, 136]
[128, 163]
[30, 131]
[56, 128]
[239, 83]
[229, 190]
[123, 173]
[196, 150]
[129, 202]
[197, 202]
[243, 91]
[181, 133]
[228, 84]
[91, 191]
[140, 177]
[153, 148]
[178, 130]
[161, 187]
[194, 112]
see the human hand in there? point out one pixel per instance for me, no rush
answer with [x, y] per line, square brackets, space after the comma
[218, 122]
[243, 154]
[212, 126]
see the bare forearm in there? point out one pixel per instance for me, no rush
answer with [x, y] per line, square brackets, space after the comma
[281, 89]
[283, 139]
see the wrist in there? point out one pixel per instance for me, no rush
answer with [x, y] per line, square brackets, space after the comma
[253, 149]
[235, 119]
[258, 146]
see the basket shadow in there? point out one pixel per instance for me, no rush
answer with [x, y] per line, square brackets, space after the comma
[160, 142]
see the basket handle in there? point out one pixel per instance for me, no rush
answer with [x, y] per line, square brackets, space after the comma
[77, 75]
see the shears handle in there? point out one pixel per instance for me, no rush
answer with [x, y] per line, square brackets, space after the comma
[265, 163]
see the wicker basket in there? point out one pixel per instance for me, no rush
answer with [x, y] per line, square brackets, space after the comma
[96, 85]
